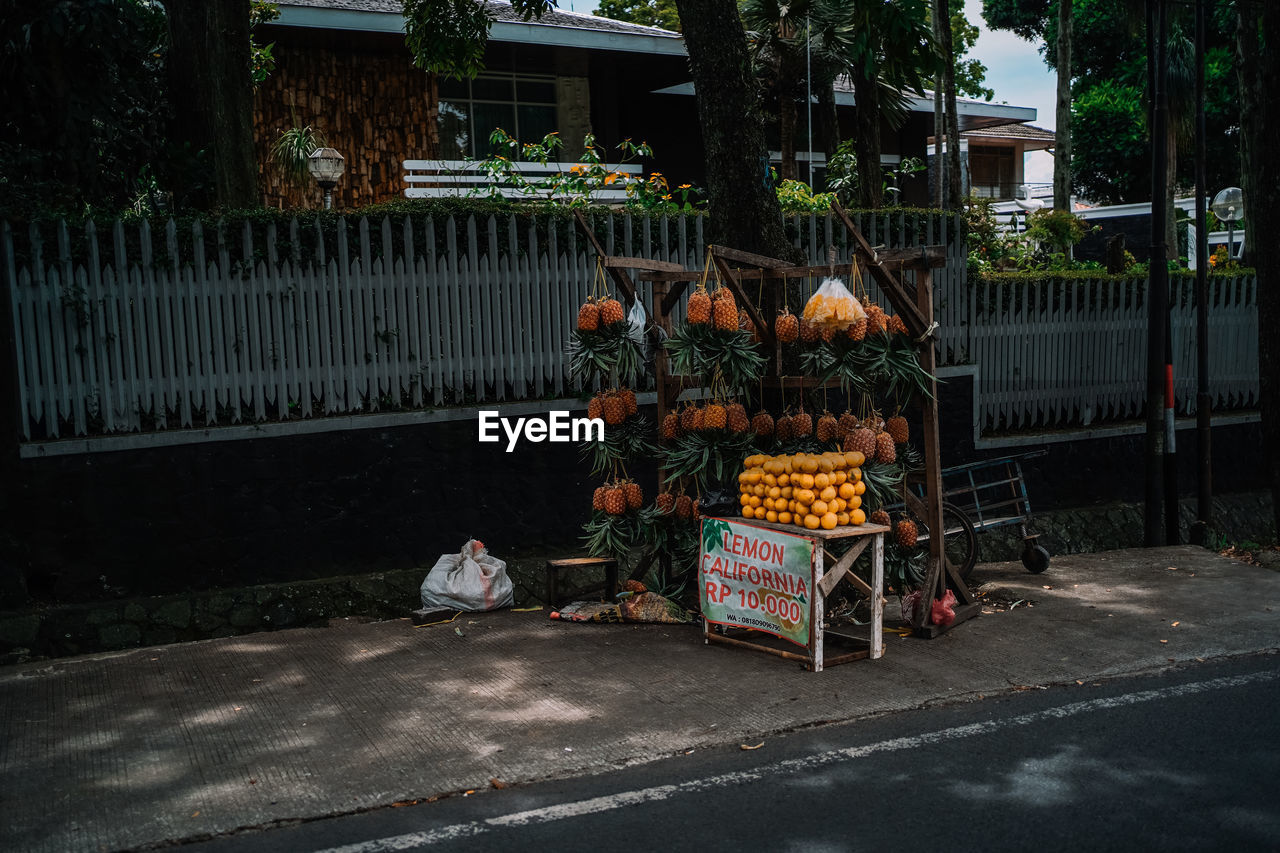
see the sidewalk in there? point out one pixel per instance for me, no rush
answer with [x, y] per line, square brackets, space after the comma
[185, 741]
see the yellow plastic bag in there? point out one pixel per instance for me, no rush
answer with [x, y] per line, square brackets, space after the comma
[833, 305]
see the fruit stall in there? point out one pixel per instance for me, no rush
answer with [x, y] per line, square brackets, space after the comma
[744, 373]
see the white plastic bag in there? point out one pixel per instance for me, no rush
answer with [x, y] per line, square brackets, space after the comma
[468, 580]
[833, 305]
[636, 319]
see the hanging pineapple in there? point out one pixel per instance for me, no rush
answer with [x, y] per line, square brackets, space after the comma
[634, 494]
[684, 507]
[737, 418]
[589, 316]
[595, 407]
[614, 409]
[698, 311]
[629, 400]
[809, 332]
[714, 417]
[827, 427]
[787, 327]
[847, 424]
[881, 517]
[897, 427]
[724, 310]
[896, 326]
[782, 430]
[597, 498]
[885, 451]
[857, 330]
[905, 533]
[665, 502]
[671, 426]
[615, 500]
[611, 312]
[875, 319]
[802, 424]
[762, 424]
[862, 440]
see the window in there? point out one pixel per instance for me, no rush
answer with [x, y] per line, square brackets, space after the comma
[522, 105]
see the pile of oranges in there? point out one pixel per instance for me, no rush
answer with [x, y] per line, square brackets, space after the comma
[809, 490]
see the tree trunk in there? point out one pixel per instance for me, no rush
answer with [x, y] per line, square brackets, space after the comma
[1170, 194]
[1260, 122]
[211, 91]
[1062, 141]
[743, 203]
[787, 132]
[828, 119]
[939, 125]
[955, 173]
[866, 95]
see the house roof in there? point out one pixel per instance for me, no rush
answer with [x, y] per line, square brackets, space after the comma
[556, 27]
[1028, 132]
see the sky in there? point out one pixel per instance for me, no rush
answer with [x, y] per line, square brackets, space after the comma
[1015, 70]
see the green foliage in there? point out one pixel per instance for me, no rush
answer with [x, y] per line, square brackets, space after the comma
[707, 457]
[291, 151]
[1109, 125]
[796, 197]
[883, 362]
[970, 73]
[607, 352]
[588, 176]
[625, 442]
[1060, 229]
[716, 355]
[84, 108]
[447, 36]
[649, 13]
[264, 62]
[1026, 18]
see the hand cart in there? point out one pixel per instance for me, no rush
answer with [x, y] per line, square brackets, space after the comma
[993, 493]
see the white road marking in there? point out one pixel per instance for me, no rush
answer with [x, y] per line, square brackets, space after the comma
[658, 793]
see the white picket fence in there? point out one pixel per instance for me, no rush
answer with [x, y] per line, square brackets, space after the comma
[1073, 351]
[450, 313]
[136, 331]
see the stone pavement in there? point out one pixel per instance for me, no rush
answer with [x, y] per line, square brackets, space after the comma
[187, 741]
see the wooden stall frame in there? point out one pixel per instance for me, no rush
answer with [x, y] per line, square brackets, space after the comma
[669, 282]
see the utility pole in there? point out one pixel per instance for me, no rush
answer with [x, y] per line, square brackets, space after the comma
[1204, 404]
[1159, 424]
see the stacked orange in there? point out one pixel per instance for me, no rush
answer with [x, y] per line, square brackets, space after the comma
[809, 490]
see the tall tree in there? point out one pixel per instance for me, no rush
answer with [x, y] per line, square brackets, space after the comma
[744, 207]
[894, 52]
[650, 13]
[950, 119]
[1258, 65]
[1062, 130]
[212, 92]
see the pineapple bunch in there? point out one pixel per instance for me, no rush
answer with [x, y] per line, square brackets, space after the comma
[594, 315]
[613, 406]
[762, 424]
[808, 490]
[716, 416]
[617, 497]
[874, 440]
[905, 533]
[875, 319]
[827, 428]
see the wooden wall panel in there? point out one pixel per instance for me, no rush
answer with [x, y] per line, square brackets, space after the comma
[374, 107]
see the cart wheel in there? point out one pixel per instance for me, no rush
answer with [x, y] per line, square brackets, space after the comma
[960, 540]
[1035, 558]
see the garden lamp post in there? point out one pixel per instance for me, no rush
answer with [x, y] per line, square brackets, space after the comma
[326, 165]
[1228, 206]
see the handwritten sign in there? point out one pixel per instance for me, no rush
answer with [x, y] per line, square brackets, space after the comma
[756, 577]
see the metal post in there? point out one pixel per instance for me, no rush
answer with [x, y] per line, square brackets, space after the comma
[1204, 403]
[1158, 278]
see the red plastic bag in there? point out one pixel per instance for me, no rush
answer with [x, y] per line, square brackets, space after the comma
[943, 612]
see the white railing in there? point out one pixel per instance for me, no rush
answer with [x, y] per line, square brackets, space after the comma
[447, 178]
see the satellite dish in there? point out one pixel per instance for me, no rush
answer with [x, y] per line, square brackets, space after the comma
[1228, 205]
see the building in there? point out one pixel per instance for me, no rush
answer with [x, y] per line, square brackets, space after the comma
[343, 69]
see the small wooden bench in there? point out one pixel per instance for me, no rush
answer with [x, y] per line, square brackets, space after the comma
[609, 586]
[442, 178]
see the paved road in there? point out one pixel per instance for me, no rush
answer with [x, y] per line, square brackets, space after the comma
[1187, 760]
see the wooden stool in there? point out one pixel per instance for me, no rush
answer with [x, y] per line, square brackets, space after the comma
[609, 587]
